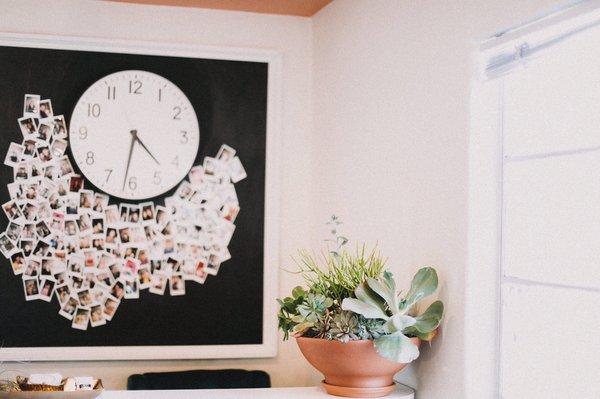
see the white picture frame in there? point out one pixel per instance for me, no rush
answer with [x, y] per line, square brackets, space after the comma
[268, 347]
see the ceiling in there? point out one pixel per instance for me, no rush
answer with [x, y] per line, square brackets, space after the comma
[303, 8]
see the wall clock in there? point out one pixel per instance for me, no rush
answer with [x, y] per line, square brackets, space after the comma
[134, 134]
[94, 255]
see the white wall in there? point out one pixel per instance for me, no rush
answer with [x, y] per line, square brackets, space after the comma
[391, 120]
[289, 35]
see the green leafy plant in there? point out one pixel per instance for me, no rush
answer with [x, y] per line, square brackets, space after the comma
[351, 296]
[377, 299]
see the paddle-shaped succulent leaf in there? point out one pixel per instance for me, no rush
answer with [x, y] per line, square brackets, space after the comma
[424, 283]
[377, 299]
[426, 324]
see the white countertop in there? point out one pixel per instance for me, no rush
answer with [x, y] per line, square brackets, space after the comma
[402, 392]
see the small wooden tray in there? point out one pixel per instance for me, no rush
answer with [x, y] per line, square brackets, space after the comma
[52, 394]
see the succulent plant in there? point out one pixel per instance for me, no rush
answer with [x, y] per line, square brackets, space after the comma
[377, 299]
[344, 327]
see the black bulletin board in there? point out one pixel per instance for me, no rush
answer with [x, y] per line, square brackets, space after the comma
[230, 100]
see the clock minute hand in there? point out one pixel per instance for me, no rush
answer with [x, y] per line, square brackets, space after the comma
[146, 148]
[133, 140]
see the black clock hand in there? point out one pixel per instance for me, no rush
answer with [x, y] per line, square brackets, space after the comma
[147, 150]
[133, 140]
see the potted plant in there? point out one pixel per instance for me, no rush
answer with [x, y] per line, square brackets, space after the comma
[350, 322]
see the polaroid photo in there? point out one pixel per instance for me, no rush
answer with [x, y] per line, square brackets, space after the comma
[105, 278]
[36, 169]
[129, 252]
[47, 265]
[81, 318]
[71, 245]
[124, 235]
[30, 190]
[7, 247]
[60, 277]
[28, 232]
[124, 213]
[85, 242]
[213, 265]
[110, 307]
[32, 268]
[15, 190]
[46, 289]
[115, 270]
[168, 230]
[97, 316]
[14, 154]
[112, 237]
[184, 190]
[136, 234]
[46, 109]
[162, 215]
[44, 154]
[64, 166]
[111, 213]
[77, 282]
[145, 277]
[98, 243]
[31, 105]
[72, 206]
[90, 258]
[118, 289]
[86, 198]
[131, 266]
[41, 229]
[60, 127]
[176, 285]
[21, 171]
[105, 260]
[71, 228]
[85, 298]
[98, 225]
[41, 248]
[158, 283]
[11, 210]
[150, 233]
[50, 172]
[196, 176]
[210, 166]
[28, 128]
[26, 246]
[68, 308]
[75, 183]
[17, 261]
[236, 170]
[63, 293]
[147, 211]
[168, 246]
[13, 231]
[131, 289]
[44, 133]
[225, 154]
[134, 214]
[29, 148]
[100, 202]
[58, 222]
[31, 288]
[229, 211]
[85, 222]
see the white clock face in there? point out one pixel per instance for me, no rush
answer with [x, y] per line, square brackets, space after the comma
[134, 134]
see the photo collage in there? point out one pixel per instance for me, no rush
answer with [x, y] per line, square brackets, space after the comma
[73, 245]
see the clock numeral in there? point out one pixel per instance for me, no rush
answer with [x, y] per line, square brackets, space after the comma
[112, 92]
[108, 173]
[83, 132]
[94, 110]
[175, 161]
[184, 137]
[157, 179]
[176, 113]
[89, 159]
[132, 183]
[159, 95]
[135, 87]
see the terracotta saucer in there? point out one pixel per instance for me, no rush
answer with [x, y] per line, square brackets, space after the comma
[350, 392]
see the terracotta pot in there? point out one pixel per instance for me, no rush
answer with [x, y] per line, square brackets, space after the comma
[353, 369]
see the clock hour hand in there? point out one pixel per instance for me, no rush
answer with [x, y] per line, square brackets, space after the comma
[133, 140]
[146, 148]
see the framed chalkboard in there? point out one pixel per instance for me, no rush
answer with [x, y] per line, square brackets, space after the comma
[236, 96]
